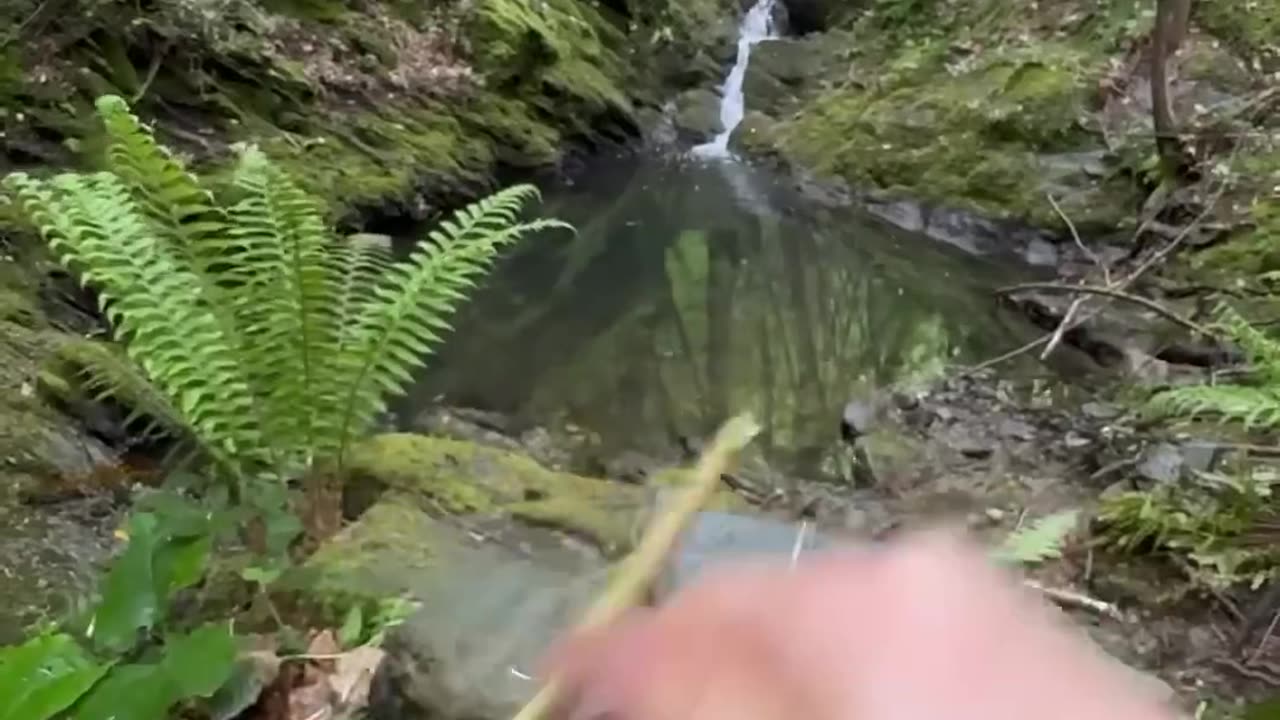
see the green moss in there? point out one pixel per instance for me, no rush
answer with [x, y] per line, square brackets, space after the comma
[1255, 251]
[565, 44]
[465, 477]
[18, 306]
[975, 138]
[1249, 31]
[356, 559]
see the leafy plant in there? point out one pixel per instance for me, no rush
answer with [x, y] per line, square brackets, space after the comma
[268, 343]
[1255, 405]
[1209, 522]
[1038, 541]
[111, 667]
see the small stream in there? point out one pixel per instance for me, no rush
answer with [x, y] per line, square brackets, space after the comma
[695, 290]
[698, 287]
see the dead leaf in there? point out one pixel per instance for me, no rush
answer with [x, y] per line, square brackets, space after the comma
[324, 644]
[354, 675]
[313, 698]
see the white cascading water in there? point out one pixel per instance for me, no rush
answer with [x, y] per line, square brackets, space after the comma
[756, 26]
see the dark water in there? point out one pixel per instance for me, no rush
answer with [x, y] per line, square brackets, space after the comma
[692, 292]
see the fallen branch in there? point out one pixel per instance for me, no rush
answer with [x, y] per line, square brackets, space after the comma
[641, 568]
[1061, 331]
[1148, 303]
[1072, 599]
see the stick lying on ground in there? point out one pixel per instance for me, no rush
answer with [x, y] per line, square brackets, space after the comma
[643, 565]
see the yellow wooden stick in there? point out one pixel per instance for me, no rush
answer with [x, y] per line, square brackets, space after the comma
[639, 570]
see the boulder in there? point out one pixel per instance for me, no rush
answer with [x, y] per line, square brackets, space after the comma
[488, 482]
[697, 115]
[488, 610]
[754, 136]
[787, 60]
[778, 70]
[503, 575]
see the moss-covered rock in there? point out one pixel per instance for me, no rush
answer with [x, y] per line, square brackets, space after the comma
[472, 479]
[464, 477]
[697, 115]
[485, 607]
[981, 138]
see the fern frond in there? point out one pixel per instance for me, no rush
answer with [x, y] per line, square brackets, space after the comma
[1041, 540]
[357, 269]
[169, 195]
[106, 373]
[93, 225]
[401, 325]
[1255, 407]
[285, 300]
[1262, 350]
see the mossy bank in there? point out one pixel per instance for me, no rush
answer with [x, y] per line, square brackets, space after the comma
[990, 106]
[375, 105]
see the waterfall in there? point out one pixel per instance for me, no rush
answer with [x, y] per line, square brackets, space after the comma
[756, 26]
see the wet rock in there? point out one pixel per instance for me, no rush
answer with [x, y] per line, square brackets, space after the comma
[692, 71]
[1200, 456]
[1041, 252]
[765, 93]
[715, 538]
[789, 61]
[857, 419]
[1017, 429]
[754, 136]
[697, 115]
[1100, 411]
[1075, 441]
[968, 442]
[488, 610]
[1162, 464]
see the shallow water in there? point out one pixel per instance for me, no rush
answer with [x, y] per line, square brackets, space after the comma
[693, 291]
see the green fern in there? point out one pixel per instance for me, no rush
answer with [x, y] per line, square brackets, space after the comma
[267, 339]
[1255, 405]
[1038, 541]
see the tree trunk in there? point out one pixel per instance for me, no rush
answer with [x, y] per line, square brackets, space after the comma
[1177, 26]
[1161, 113]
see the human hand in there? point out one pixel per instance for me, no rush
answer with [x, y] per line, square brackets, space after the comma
[923, 628]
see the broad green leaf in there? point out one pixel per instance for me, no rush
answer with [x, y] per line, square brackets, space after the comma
[179, 563]
[129, 692]
[198, 664]
[352, 628]
[129, 599]
[44, 676]
[46, 699]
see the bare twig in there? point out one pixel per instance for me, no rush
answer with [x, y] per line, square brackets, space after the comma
[1070, 598]
[1003, 358]
[1067, 320]
[1148, 303]
[642, 566]
[1266, 638]
[1075, 235]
